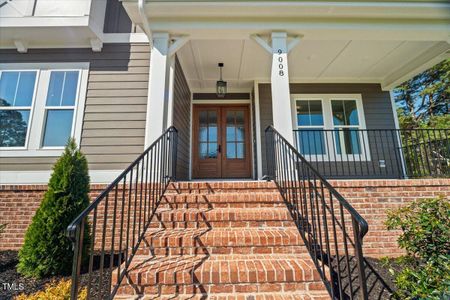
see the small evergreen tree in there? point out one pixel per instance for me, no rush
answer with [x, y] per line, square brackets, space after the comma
[47, 250]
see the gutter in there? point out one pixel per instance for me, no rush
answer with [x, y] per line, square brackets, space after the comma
[145, 23]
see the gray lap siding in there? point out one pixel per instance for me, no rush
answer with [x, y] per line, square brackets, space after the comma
[116, 103]
[378, 115]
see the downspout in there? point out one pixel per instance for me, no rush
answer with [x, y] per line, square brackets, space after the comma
[145, 23]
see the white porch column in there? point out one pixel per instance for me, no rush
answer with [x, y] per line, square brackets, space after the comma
[281, 97]
[158, 85]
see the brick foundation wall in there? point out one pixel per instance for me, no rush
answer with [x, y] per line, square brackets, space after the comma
[18, 204]
[371, 198]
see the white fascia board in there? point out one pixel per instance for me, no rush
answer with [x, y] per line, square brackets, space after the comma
[416, 65]
[360, 9]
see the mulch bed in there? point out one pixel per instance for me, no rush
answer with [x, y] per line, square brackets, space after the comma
[19, 284]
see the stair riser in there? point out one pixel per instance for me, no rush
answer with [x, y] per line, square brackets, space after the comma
[180, 290]
[176, 251]
[223, 185]
[222, 224]
[213, 205]
[207, 191]
[225, 197]
[219, 216]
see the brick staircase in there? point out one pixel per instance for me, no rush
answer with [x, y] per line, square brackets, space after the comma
[222, 240]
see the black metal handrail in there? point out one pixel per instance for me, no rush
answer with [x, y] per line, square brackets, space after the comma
[376, 153]
[331, 228]
[124, 211]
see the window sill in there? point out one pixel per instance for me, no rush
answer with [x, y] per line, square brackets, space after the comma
[31, 153]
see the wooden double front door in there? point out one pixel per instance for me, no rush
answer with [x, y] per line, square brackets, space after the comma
[221, 141]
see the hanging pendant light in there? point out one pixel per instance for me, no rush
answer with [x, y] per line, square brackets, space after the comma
[221, 86]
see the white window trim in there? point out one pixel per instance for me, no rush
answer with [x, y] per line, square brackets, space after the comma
[36, 125]
[328, 125]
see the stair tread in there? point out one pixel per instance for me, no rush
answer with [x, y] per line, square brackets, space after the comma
[298, 295]
[268, 236]
[221, 269]
[226, 214]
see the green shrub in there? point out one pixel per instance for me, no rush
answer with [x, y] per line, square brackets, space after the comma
[47, 250]
[2, 227]
[425, 226]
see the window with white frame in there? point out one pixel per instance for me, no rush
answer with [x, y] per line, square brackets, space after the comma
[310, 137]
[41, 107]
[330, 127]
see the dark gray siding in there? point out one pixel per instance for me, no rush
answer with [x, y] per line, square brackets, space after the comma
[378, 115]
[182, 120]
[117, 19]
[116, 104]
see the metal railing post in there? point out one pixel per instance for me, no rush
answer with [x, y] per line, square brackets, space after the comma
[77, 253]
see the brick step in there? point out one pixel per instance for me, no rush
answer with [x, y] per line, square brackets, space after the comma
[221, 187]
[148, 275]
[222, 224]
[222, 214]
[297, 295]
[206, 205]
[230, 200]
[222, 241]
[177, 251]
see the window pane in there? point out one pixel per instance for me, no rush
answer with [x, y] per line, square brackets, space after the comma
[58, 127]
[70, 88]
[311, 141]
[230, 117]
[303, 113]
[240, 134]
[212, 133]
[240, 117]
[202, 118]
[309, 112]
[351, 112]
[231, 150]
[203, 150]
[240, 150]
[25, 89]
[203, 131]
[212, 150]
[315, 108]
[13, 127]
[8, 85]
[338, 112]
[347, 141]
[231, 136]
[55, 88]
[212, 116]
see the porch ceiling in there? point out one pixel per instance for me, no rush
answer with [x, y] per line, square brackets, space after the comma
[311, 61]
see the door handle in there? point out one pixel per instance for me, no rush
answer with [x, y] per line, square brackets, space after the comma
[218, 148]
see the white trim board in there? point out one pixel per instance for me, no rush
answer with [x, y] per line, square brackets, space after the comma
[42, 177]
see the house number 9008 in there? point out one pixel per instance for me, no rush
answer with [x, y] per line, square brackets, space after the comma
[280, 63]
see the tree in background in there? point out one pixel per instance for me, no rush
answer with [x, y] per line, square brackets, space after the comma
[423, 101]
[47, 250]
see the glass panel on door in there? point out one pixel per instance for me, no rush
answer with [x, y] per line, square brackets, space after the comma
[208, 137]
[235, 134]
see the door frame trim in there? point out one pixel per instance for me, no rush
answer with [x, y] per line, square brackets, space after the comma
[216, 102]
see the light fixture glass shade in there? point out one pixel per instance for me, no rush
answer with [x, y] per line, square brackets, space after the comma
[221, 88]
